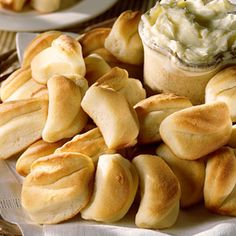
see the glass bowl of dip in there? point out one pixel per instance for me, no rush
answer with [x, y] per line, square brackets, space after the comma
[186, 43]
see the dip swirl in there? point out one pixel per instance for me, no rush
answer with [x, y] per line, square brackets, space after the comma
[195, 30]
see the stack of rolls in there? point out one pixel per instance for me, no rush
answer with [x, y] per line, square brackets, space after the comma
[81, 124]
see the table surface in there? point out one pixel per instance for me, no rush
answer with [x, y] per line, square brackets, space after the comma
[7, 42]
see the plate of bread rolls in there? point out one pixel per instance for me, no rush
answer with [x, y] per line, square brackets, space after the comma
[39, 15]
[92, 140]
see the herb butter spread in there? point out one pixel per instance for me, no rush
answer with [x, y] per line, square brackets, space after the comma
[195, 30]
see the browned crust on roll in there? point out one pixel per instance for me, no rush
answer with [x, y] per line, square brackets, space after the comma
[12, 109]
[14, 81]
[93, 39]
[162, 101]
[220, 181]
[90, 143]
[62, 185]
[34, 152]
[124, 41]
[197, 131]
[38, 44]
[160, 193]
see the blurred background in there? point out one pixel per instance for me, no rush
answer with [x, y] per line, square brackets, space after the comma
[7, 37]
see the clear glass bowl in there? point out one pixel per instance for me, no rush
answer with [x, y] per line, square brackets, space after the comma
[164, 71]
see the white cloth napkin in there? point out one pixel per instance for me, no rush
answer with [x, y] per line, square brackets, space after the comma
[195, 221]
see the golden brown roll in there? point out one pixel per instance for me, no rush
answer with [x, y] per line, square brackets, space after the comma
[116, 183]
[21, 124]
[65, 115]
[90, 143]
[124, 41]
[196, 131]
[34, 152]
[222, 87]
[19, 85]
[118, 79]
[96, 67]
[63, 57]
[112, 114]
[38, 44]
[220, 182]
[232, 140]
[93, 39]
[46, 6]
[191, 175]
[153, 110]
[15, 5]
[58, 187]
[160, 193]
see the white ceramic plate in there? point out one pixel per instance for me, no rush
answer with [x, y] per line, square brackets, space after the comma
[195, 221]
[34, 21]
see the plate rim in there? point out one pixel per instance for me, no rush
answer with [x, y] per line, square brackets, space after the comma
[33, 21]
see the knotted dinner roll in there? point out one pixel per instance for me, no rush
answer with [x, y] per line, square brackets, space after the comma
[196, 131]
[38, 44]
[63, 57]
[160, 193]
[19, 85]
[15, 5]
[191, 175]
[118, 79]
[90, 143]
[112, 114]
[124, 41]
[34, 152]
[65, 115]
[153, 110]
[58, 187]
[46, 6]
[21, 124]
[96, 67]
[220, 182]
[116, 183]
[222, 87]
[93, 40]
